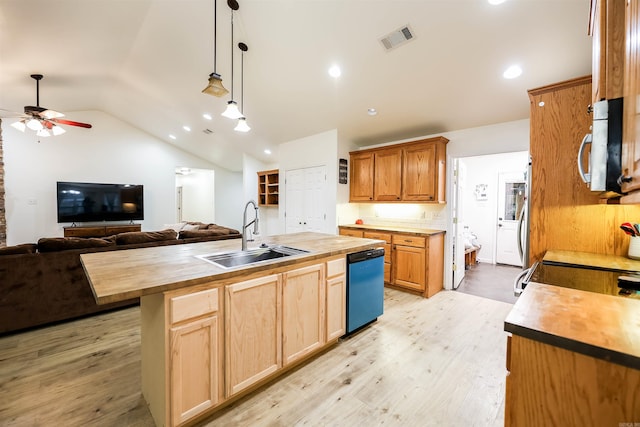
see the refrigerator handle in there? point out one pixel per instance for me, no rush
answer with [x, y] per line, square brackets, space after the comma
[586, 176]
[519, 235]
[517, 290]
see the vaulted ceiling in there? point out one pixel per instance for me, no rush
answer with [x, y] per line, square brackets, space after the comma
[146, 62]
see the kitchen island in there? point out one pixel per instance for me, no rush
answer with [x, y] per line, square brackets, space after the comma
[210, 335]
[573, 356]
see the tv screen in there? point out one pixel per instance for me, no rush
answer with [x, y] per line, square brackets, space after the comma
[87, 202]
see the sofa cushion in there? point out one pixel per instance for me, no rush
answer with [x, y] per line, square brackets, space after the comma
[189, 234]
[175, 227]
[54, 244]
[135, 237]
[25, 248]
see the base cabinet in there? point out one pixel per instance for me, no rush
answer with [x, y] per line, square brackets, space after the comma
[303, 312]
[207, 346]
[195, 368]
[409, 271]
[253, 332]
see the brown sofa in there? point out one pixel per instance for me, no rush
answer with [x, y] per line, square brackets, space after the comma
[45, 283]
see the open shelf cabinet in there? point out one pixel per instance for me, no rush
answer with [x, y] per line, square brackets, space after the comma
[268, 185]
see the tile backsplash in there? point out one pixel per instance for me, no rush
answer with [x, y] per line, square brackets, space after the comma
[404, 215]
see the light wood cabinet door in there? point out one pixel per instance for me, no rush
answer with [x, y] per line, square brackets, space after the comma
[361, 182]
[409, 267]
[195, 367]
[253, 331]
[419, 178]
[387, 179]
[608, 41]
[336, 307]
[303, 312]
[631, 114]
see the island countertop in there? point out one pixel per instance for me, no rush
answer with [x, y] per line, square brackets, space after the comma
[124, 274]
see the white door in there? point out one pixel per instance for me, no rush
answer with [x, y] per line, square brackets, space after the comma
[178, 204]
[511, 202]
[459, 173]
[305, 205]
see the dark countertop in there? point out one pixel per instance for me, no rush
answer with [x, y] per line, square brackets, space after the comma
[602, 326]
[408, 230]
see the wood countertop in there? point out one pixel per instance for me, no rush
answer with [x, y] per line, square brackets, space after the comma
[124, 274]
[408, 230]
[599, 261]
[602, 326]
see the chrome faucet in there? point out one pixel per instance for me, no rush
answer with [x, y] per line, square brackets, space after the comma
[245, 225]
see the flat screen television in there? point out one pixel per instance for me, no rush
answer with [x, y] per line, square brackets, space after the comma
[89, 202]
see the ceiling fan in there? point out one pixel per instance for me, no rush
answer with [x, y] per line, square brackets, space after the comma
[42, 120]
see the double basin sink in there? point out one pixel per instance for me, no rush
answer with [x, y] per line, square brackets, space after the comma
[238, 258]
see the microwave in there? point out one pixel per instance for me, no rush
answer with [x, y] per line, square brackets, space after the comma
[603, 148]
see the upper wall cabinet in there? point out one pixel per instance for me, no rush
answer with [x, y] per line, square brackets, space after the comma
[410, 172]
[607, 29]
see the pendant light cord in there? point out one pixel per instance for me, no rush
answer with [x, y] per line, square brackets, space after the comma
[215, 33]
[232, 54]
[242, 82]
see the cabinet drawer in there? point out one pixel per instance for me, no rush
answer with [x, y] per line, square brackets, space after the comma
[349, 232]
[416, 242]
[378, 236]
[336, 267]
[193, 305]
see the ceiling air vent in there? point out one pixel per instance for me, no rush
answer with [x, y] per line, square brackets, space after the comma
[208, 131]
[397, 38]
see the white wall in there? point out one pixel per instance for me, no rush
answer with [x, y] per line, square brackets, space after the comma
[198, 195]
[316, 150]
[481, 215]
[112, 151]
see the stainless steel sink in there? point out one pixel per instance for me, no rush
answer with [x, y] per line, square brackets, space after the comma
[237, 258]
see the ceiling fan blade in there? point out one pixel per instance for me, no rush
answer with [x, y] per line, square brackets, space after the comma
[8, 114]
[71, 123]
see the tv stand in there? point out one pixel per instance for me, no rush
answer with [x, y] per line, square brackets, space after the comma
[100, 230]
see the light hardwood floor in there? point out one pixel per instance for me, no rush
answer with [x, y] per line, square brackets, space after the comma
[425, 362]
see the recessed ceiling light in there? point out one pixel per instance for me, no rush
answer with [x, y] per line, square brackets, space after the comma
[172, 136]
[496, 2]
[372, 111]
[186, 128]
[267, 151]
[207, 116]
[512, 72]
[334, 71]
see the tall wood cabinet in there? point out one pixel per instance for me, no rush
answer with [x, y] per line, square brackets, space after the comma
[565, 214]
[409, 172]
[631, 113]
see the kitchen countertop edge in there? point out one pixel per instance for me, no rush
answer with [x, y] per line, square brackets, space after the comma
[407, 230]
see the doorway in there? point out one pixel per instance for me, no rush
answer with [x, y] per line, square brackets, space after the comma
[511, 204]
[195, 195]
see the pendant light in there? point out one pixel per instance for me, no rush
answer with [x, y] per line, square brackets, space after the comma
[242, 125]
[215, 87]
[232, 111]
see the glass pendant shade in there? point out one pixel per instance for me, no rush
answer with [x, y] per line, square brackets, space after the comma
[242, 125]
[215, 87]
[57, 130]
[34, 124]
[19, 125]
[232, 111]
[43, 132]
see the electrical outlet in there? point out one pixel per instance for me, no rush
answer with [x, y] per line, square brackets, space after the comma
[32, 202]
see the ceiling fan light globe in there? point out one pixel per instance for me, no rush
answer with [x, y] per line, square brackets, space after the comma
[43, 132]
[242, 125]
[232, 111]
[34, 124]
[215, 87]
[57, 130]
[19, 125]
[50, 114]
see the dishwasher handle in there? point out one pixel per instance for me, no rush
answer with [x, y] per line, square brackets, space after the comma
[365, 255]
